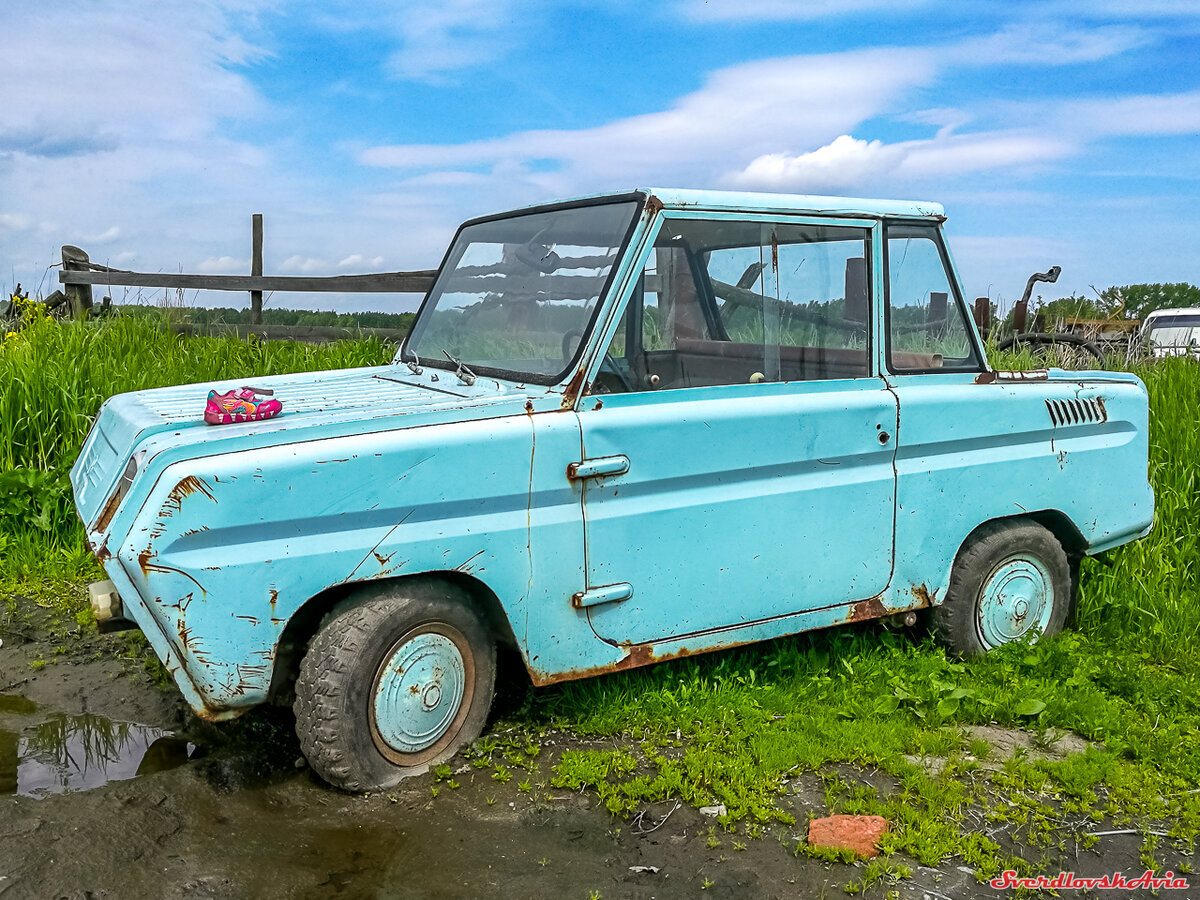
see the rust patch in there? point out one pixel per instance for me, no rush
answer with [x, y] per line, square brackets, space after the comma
[1011, 377]
[638, 655]
[110, 509]
[185, 635]
[575, 387]
[923, 595]
[148, 567]
[103, 553]
[774, 253]
[209, 713]
[653, 205]
[274, 596]
[464, 566]
[864, 610]
[188, 486]
[250, 619]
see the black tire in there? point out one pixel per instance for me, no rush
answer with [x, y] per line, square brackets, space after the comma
[339, 686]
[974, 618]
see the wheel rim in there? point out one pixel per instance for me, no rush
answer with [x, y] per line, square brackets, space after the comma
[422, 693]
[1017, 598]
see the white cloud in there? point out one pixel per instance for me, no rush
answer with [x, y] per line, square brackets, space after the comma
[105, 237]
[1136, 10]
[357, 262]
[15, 222]
[1146, 114]
[781, 10]
[1046, 43]
[842, 164]
[303, 265]
[741, 112]
[223, 265]
[850, 164]
[433, 37]
[964, 154]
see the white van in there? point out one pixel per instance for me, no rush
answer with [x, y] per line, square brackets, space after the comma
[1173, 332]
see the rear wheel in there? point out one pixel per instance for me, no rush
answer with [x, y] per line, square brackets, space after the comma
[1011, 580]
[395, 681]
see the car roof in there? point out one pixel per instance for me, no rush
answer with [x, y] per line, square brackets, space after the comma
[754, 201]
[1177, 311]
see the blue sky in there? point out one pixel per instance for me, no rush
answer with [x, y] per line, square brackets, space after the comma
[1058, 132]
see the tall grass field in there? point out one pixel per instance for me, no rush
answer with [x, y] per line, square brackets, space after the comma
[732, 727]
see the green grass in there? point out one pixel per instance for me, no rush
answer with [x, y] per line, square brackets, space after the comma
[53, 378]
[737, 728]
[732, 728]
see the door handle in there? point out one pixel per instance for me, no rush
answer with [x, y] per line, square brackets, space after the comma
[598, 467]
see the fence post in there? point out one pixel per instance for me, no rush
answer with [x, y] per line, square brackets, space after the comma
[79, 296]
[983, 315]
[256, 241]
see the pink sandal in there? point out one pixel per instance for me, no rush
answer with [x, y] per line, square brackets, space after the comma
[241, 405]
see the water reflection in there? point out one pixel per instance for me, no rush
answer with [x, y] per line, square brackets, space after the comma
[74, 753]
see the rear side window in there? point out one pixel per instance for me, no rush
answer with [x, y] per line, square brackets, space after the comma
[927, 324]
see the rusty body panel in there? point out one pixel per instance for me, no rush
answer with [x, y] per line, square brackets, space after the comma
[615, 523]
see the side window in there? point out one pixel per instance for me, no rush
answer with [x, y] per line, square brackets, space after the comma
[744, 302]
[927, 326]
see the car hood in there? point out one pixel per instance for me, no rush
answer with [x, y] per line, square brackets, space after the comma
[131, 429]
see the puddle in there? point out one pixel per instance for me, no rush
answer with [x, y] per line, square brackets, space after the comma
[55, 753]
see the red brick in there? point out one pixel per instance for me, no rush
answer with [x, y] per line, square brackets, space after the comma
[857, 833]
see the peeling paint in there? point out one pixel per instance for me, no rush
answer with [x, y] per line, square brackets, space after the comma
[872, 608]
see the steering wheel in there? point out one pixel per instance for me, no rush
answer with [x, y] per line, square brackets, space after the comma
[608, 366]
[568, 348]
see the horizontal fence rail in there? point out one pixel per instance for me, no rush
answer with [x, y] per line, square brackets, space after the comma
[79, 275]
[418, 282]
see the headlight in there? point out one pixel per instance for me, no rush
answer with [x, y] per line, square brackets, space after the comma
[114, 502]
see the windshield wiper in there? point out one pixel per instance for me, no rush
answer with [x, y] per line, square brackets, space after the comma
[465, 375]
[415, 365]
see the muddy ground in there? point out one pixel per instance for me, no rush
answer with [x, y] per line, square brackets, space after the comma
[109, 788]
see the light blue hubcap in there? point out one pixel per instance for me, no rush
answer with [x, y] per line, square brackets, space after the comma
[1017, 598]
[419, 692]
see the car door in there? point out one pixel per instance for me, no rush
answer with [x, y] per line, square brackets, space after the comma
[738, 445]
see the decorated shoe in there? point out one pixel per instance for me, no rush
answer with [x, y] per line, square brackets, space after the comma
[241, 405]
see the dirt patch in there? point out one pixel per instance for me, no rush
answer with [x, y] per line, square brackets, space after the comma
[240, 815]
[1004, 743]
[53, 661]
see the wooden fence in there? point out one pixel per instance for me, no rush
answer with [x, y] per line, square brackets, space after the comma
[79, 275]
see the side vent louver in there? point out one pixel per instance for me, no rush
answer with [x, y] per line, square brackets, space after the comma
[1076, 412]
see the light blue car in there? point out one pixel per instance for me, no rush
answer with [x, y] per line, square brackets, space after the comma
[623, 429]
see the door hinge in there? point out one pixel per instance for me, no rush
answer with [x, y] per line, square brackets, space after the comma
[610, 593]
[598, 467]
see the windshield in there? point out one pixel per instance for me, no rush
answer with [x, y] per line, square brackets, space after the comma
[517, 294]
[1174, 331]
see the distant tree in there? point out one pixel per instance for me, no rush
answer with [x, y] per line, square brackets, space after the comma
[1142, 299]
[1077, 307]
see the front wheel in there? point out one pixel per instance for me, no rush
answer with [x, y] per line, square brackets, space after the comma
[1011, 580]
[395, 681]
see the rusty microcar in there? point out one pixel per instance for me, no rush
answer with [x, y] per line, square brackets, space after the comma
[623, 429]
